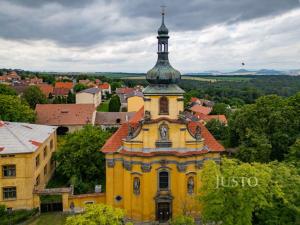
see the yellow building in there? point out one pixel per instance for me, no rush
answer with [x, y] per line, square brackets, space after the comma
[152, 161]
[25, 162]
[135, 101]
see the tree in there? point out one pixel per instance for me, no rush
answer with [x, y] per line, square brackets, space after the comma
[272, 117]
[81, 148]
[7, 90]
[285, 209]
[98, 214]
[114, 85]
[220, 109]
[14, 110]
[293, 155]
[79, 87]
[218, 129]
[231, 193]
[33, 95]
[256, 148]
[182, 220]
[114, 104]
[71, 97]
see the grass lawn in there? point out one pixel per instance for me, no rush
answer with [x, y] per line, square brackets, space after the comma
[103, 107]
[49, 219]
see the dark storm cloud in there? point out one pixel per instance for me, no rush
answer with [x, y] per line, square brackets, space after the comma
[87, 22]
[38, 3]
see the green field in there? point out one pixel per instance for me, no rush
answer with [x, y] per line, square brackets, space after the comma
[49, 219]
[199, 78]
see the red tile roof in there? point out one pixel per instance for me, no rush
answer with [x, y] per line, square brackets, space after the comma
[61, 91]
[206, 118]
[201, 109]
[64, 114]
[67, 85]
[114, 143]
[124, 90]
[138, 116]
[194, 99]
[104, 85]
[46, 89]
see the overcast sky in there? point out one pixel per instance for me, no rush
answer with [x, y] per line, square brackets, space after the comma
[120, 35]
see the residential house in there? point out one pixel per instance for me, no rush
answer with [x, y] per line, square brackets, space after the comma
[68, 117]
[25, 161]
[201, 109]
[89, 96]
[105, 89]
[47, 89]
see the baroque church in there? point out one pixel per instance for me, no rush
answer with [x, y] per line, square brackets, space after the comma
[153, 161]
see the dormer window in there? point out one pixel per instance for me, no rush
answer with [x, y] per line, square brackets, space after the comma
[163, 106]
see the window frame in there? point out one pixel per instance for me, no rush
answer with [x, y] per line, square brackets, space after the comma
[9, 176]
[4, 192]
[159, 180]
[160, 105]
[37, 161]
[45, 152]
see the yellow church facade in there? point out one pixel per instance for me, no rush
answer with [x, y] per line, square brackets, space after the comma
[153, 161]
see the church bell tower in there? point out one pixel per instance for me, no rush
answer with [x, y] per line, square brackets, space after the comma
[163, 97]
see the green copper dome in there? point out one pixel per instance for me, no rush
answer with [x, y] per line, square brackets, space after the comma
[163, 72]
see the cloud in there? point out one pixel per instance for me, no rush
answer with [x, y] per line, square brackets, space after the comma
[88, 22]
[268, 42]
[121, 35]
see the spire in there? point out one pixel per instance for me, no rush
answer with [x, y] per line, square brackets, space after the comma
[163, 72]
[163, 30]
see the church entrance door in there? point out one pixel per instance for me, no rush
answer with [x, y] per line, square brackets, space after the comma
[163, 211]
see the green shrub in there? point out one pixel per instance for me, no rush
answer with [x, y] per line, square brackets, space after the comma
[17, 216]
[182, 220]
[2, 210]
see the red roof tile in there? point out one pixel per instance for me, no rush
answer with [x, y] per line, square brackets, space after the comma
[138, 116]
[201, 109]
[46, 89]
[64, 114]
[61, 91]
[206, 118]
[104, 85]
[67, 85]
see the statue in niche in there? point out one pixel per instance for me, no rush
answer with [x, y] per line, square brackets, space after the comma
[130, 131]
[190, 185]
[136, 185]
[164, 132]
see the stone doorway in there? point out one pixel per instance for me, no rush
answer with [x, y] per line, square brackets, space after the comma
[163, 212]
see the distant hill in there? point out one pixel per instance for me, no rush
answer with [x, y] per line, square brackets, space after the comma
[270, 72]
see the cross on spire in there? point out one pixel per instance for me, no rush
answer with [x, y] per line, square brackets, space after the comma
[163, 7]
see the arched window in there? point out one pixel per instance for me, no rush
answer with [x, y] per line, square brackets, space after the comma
[163, 105]
[163, 180]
